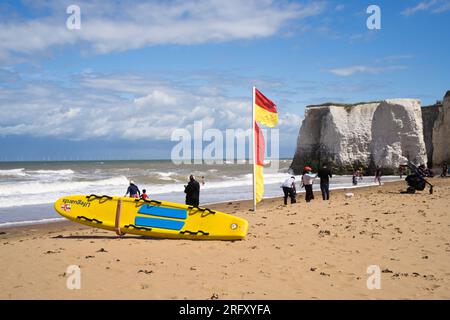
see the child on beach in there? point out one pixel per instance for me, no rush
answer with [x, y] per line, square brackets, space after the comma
[144, 194]
[307, 182]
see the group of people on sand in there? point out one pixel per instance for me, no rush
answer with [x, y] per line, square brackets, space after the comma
[324, 174]
[307, 180]
[192, 190]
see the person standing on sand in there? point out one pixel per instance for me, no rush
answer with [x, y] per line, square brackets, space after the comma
[307, 182]
[378, 175]
[444, 170]
[355, 178]
[192, 190]
[133, 190]
[401, 171]
[324, 174]
[289, 190]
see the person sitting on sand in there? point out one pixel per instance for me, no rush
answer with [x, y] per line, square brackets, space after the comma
[378, 175]
[289, 190]
[133, 190]
[307, 182]
[324, 174]
[192, 190]
[144, 194]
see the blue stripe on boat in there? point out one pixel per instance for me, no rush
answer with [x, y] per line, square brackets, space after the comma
[163, 212]
[159, 223]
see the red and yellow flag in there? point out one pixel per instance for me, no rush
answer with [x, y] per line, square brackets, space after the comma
[259, 163]
[265, 110]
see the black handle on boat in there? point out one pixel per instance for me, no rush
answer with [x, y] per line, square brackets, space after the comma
[98, 197]
[149, 201]
[201, 209]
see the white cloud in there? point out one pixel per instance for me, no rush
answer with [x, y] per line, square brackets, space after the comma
[113, 106]
[435, 6]
[121, 26]
[351, 70]
[157, 97]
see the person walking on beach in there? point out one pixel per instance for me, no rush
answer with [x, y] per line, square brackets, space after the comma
[378, 175]
[355, 178]
[307, 182]
[133, 190]
[144, 194]
[289, 190]
[203, 180]
[325, 174]
[192, 190]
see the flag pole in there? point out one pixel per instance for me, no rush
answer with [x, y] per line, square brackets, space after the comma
[253, 150]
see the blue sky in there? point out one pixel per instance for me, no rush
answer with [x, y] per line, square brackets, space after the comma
[135, 71]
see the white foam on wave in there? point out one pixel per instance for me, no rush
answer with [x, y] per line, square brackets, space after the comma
[32, 188]
[167, 176]
[27, 222]
[52, 172]
[13, 172]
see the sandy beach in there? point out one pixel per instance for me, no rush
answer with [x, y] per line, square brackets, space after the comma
[317, 250]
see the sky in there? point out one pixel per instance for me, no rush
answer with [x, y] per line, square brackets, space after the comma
[118, 87]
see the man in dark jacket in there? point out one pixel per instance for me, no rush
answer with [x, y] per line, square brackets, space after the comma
[325, 174]
[133, 190]
[192, 191]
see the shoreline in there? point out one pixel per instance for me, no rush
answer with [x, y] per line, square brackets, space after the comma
[52, 225]
[29, 223]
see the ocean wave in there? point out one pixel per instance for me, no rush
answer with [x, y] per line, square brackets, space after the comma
[31, 188]
[29, 222]
[13, 172]
[51, 172]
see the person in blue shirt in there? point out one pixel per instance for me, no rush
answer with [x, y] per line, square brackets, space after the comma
[133, 190]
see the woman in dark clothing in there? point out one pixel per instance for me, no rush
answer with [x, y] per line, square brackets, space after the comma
[192, 191]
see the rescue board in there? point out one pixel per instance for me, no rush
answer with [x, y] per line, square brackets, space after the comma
[153, 218]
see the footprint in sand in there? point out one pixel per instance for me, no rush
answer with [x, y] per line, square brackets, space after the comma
[51, 252]
[145, 271]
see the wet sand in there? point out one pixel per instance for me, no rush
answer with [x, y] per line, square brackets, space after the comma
[317, 250]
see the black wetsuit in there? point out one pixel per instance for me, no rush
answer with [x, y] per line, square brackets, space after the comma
[192, 191]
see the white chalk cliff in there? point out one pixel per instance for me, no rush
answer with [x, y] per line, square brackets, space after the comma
[380, 133]
[441, 133]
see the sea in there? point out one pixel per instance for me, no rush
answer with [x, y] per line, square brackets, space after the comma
[29, 189]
